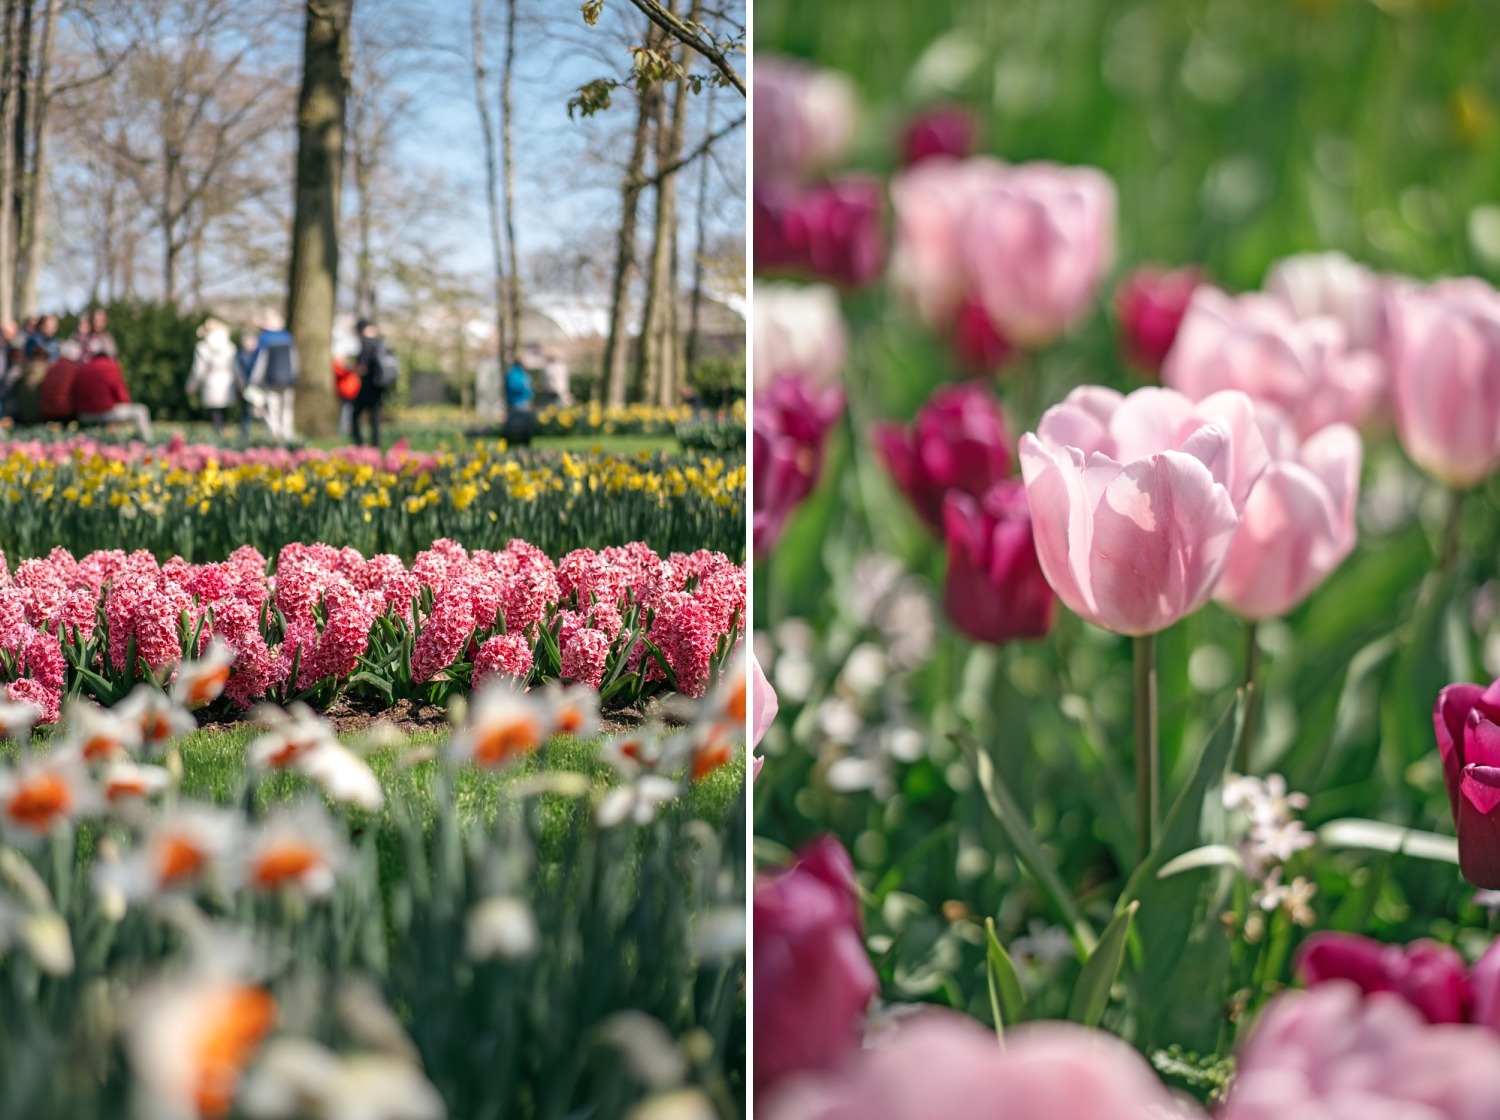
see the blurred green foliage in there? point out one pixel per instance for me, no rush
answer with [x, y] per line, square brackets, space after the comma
[155, 342]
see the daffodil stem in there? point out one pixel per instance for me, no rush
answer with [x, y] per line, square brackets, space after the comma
[1147, 750]
[1247, 729]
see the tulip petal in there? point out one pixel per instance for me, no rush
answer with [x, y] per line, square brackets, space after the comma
[1346, 956]
[1287, 543]
[1479, 826]
[1481, 740]
[1082, 420]
[1449, 715]
[1061, 519]
[1161, 534]
[1484, 981]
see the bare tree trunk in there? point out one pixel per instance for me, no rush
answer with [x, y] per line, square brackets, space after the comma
[508, 167]
[20, 127]
[8, 164]
[662, 352]
[641, 387]
[34, 247]
[617, 348]
[700, 244]
[313, 289]
[492, 182]
[169, 225]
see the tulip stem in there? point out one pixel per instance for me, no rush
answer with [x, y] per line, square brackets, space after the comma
[1147, 750]
[1247, 729]
[1451, 532]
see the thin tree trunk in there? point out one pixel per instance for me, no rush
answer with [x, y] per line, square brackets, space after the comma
[20, 129]
[700, 246]
[508, 167]
[662, 356]
[313, 288]
[34, 248]
[617, 348]
[641, 386]
[7, 162]
[168, 225]
[492, 183]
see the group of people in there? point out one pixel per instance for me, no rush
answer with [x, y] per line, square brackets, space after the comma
[262, 373]
[46, 378]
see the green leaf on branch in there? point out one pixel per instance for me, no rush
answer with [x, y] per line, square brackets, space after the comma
[1091, 994]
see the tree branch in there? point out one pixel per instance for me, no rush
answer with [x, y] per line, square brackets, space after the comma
[686, 34]
[656, 177]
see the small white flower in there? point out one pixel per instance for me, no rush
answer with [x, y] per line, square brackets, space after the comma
[501, 926]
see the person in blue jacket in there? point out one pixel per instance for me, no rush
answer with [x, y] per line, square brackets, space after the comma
[518, 391]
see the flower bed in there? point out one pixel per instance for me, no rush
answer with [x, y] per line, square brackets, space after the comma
[329, 623]
[201, 502]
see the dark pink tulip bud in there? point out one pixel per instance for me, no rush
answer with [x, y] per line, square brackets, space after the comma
[959, 442]
[995, 590]
[813, 979]
[1149, 307]
[1484, 981]
[1466, 720]
[944, 131]
[1429, 976]
[833, 232]
[977, 342]
[792, 421]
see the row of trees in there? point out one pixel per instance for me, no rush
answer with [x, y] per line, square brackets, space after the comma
[177, 149]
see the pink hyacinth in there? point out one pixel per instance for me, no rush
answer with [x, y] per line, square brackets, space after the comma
[445, 632]
[504, 655]
[584, 654]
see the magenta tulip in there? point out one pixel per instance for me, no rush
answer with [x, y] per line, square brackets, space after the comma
[1445, 376]
[945, 132]
[1254, 344]
[792, 421]
[959, 442]
[1466, 720]
[1036, 245]
[813, 979]
[1333, 1054]
[1298, 523]
[1431, 977]
[804, 118]
[1149, 307]
[1135, 500]
[833, 232]
[931, 203]
[978, 345]
[942, 1065]
[995, 590]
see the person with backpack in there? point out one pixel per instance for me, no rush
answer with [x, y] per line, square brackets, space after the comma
[378, 372]
[274, 372]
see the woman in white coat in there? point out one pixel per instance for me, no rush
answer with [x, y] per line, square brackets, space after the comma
[213, 372]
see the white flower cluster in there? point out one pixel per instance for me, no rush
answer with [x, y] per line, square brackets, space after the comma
[1272, 835]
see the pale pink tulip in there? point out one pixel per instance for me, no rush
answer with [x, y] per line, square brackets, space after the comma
[804, 118]
[1036, 245]
[931, 203]
[942, 1065]
[763, 707]
[1333, 1053]
[1298, 524]
[1332, 285]
[799, 329]
[1255, 344]
[1445, 373]
[1135, 500]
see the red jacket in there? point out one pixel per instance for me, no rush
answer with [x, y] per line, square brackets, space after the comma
[99, 386]
[56, 395]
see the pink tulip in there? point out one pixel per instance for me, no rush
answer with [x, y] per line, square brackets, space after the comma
[941, 1065]
[1334, 1054]
[1431, 977]
[931, 203]
[995, 590]
[959, 442]
[1135, 500]
[1254, 344]
[1466, 720]
[792, 421]
[798, 330]
[1035, 246]
[763, 708]
[1445, 376]
[813, 979]
[1330, 285]
[833, 232]
[944, 132]
[804, 118]
[1149, 307]
[1298, 524]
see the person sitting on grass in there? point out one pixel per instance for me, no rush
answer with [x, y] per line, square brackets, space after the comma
[56, 395]
[100, 396]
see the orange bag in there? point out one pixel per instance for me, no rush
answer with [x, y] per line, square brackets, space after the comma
[345, 381]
